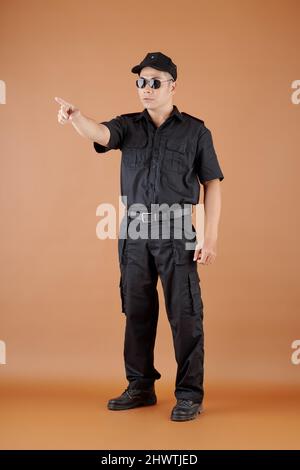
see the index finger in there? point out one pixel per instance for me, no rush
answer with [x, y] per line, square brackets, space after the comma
[63, 102]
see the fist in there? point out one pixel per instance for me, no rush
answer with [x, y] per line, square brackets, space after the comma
[66, 112]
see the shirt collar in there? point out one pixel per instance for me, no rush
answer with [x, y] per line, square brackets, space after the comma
[146, 115]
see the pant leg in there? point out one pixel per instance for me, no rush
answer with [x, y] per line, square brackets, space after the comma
[140, 305]
[184, 306]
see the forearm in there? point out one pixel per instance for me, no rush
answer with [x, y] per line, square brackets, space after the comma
[87, 127]
[212, 209]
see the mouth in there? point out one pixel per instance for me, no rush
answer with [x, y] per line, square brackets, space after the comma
[148, 99]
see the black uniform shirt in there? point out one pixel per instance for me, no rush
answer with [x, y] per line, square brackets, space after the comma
[162, 164]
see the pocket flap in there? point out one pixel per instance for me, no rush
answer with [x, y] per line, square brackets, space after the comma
[194, 281]
[176, 145]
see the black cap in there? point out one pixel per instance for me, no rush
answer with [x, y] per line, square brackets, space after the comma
[158, 61]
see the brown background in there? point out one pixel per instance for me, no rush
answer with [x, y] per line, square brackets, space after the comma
[60, 306]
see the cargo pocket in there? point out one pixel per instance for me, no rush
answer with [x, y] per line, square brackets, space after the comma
[181, 254]
[122, 248]
[122, 286]
[195, 292]
[122, 251]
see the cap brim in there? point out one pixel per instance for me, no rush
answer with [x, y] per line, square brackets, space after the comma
[136, 69]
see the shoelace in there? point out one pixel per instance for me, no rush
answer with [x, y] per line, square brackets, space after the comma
[186, 403]
[126, 391]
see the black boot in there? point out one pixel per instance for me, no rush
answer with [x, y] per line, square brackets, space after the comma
[132, 398]
[185, 410]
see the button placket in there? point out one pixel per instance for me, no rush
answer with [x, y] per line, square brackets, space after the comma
[159, 147]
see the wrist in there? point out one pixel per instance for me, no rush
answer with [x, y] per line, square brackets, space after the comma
[75, 114]
[212, 237]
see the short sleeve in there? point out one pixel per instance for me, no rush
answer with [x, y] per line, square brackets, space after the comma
[207, 164]
[117, 127]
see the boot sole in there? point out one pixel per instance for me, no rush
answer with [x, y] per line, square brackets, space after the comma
[116, 407]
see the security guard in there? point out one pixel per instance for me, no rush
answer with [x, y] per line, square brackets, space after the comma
[165, 154]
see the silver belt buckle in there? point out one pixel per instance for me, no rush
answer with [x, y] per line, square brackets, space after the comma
[143, 213]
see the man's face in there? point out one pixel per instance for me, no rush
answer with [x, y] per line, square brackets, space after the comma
[154, 98]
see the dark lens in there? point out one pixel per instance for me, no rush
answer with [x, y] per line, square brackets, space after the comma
[156, 83]
[140, 83]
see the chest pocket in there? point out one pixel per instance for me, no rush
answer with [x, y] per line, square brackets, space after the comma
[135, 153]
[175, 158]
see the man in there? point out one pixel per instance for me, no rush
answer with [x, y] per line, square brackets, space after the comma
[165, 155]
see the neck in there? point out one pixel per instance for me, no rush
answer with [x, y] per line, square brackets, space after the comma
[159, 115]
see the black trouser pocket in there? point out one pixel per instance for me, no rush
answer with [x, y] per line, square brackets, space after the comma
[122, 286]
[195, 292]
[121, 249]
[122, 245]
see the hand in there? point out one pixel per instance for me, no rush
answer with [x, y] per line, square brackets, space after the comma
[208, 252]
[67, 111]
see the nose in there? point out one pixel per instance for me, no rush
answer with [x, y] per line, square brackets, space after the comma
[148, 87]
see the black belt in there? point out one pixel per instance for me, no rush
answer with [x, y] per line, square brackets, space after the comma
[154, 216]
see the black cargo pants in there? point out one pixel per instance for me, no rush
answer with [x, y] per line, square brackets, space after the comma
[141, 261]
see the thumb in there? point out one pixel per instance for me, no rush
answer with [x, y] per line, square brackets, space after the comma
[196, 254]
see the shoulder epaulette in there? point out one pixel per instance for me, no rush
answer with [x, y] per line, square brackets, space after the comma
[130, 114]
[194, 117]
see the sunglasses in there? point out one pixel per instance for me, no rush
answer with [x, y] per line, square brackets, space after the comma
[153, 82]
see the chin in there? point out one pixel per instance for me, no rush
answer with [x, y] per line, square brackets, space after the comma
[148, 104]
